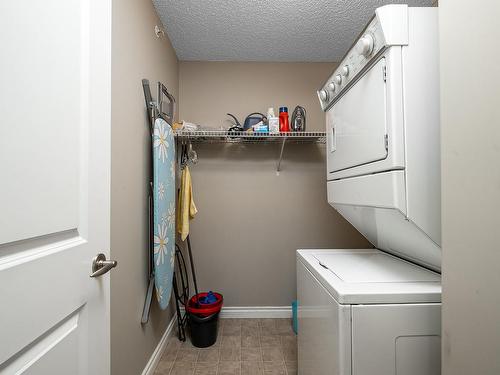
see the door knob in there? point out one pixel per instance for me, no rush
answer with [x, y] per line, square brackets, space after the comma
[100, 265]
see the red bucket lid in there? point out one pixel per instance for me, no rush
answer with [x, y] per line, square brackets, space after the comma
[204, 309]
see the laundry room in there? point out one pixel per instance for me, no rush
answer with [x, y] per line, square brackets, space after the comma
[249, 187]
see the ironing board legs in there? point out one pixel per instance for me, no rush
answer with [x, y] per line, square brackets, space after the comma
[180, 317]
[147, 302]
[149, 293]
[192, 268]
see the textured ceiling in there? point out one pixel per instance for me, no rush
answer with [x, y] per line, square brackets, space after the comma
[272, 30]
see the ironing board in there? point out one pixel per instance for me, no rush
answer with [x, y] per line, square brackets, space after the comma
[161, 241]
[163, 209]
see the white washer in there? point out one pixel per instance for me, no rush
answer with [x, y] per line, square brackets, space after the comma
[366, 312]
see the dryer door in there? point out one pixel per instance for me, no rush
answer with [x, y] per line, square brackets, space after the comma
[357, 123]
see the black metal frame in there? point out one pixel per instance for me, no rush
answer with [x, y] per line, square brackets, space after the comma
[182, 294]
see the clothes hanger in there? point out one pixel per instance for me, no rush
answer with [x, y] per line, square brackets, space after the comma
[192, 155]
[184, 154]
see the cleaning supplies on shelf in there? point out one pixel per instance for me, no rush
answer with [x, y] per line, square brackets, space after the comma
[298, 122]
[251, 120]
[258, 123]
[272, 121]
[284, 125]
[260, 127]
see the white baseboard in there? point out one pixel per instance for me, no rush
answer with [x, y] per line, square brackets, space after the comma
[160, 348]
[256, 312]
[245, 312]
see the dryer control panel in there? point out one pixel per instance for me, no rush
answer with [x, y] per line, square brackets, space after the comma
[377, 35]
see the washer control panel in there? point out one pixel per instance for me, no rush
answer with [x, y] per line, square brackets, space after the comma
[366, 47]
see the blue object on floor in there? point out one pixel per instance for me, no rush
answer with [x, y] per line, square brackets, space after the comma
[295, 319]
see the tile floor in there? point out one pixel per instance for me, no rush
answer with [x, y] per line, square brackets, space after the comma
[244, 347]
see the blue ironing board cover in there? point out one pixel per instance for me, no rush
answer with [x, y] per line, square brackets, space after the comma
[164, 210]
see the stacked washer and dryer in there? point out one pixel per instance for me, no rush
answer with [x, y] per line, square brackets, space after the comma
[378, 311]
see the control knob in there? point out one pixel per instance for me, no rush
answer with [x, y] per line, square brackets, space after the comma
[323, 95]
[338, 79]
[345, 70]
[365, 45]
[331, 86]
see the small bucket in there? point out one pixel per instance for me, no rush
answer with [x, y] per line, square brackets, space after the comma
[203, 320]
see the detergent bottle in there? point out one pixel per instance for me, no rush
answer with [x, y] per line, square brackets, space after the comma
[284, 125]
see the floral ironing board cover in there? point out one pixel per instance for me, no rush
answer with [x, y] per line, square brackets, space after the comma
[163, 210]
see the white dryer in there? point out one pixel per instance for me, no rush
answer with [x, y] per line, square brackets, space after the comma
[377, 312]
[383, 134]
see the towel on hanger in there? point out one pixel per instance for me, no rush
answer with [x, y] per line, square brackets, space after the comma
[187, 209]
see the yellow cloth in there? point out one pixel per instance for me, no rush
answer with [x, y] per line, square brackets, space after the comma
[186, 208]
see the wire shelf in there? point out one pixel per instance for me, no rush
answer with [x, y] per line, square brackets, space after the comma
[225, 136]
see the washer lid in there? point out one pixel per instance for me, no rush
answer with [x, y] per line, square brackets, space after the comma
[374, 268]
[368, 276]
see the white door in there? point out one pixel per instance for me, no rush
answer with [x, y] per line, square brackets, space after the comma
[54, 186]
[357, 123]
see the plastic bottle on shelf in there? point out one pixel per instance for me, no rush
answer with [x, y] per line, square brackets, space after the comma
[273, 121]
[284, 125]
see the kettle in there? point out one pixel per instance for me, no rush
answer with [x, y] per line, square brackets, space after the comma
[298, 122]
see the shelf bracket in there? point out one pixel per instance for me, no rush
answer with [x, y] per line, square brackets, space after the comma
[278, 166]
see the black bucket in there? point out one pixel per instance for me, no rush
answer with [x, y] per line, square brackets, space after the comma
[203, 329]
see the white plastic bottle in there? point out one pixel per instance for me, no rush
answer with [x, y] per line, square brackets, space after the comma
[273, 121]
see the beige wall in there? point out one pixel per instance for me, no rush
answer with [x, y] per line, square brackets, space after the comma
[470, 96]
[250, 220]
[136, 54]
[209, 90]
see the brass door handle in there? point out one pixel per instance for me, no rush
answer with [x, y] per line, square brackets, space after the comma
[100, 265]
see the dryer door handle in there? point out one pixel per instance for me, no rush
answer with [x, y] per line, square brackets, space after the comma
[333, 137]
